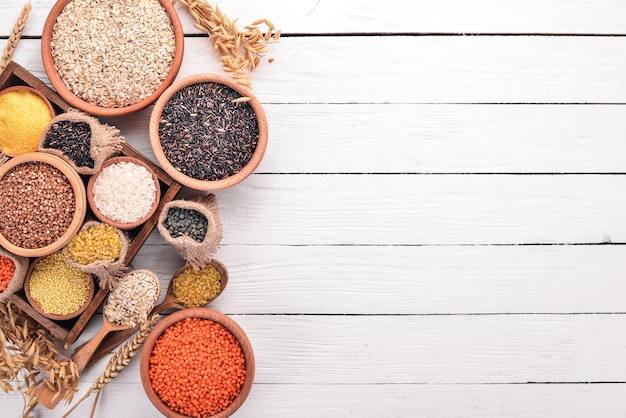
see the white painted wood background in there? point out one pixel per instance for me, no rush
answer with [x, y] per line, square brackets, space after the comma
[438, 226]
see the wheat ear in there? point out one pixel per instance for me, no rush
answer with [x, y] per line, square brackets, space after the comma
[15, 36]
[119, 360]
[240, 50]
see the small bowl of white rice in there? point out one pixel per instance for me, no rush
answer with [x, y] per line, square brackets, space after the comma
[124, 193]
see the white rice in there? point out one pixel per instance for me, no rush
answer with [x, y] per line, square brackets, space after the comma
[124, 192]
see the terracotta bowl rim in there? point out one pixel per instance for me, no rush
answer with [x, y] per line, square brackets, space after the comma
[77, 102]
[207, 185]
[104, 219]
[56, 317]
[205, 313]
[79, 197]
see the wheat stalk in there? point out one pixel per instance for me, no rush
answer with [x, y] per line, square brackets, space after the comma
[15, 36]
[240, 51]
[26, 350]
[119, 360]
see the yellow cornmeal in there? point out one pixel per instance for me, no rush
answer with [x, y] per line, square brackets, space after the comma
[57, 287]
[23, 118]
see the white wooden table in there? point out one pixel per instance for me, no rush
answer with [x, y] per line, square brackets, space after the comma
[438, 225]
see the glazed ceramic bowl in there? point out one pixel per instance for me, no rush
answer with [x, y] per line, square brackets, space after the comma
[39, 309]
[174, 172]
[80, 202]
[79, 103]
[203, 313]
[100, 215]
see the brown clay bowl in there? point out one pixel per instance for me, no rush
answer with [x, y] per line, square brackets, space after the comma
[75, 101]
[79, 195]
[36, 93]
[193, 183]
[205, 313]
[36, 306]
[96, 211]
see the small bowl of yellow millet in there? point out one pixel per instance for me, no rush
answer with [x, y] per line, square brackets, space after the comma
[56, 289]
[24, 115]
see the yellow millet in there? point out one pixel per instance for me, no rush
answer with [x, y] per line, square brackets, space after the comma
[196, 287]
[57, 287]
[99, 242]
[23, 118]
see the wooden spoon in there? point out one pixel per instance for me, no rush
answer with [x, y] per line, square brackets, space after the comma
[50, 398]
[169, 302]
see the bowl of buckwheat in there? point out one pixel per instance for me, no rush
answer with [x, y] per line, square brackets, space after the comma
[43, 204]
[112, 58]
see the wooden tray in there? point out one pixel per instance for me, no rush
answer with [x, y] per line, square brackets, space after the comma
[69, 331]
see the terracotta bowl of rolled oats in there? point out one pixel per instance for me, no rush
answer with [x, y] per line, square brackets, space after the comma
[112, 58]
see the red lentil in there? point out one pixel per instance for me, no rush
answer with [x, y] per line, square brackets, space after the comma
[197, 367]
[7, 269]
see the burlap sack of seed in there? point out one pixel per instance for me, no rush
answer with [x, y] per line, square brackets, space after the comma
[17, 281]
[107, 271]
[195, 253]
[101, 143]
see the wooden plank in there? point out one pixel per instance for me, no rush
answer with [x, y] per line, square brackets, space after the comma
[424, 210]
[495, 69]
[437, 349]
[411, 280]
[428, 349]
[374, 401]
[397, 16]
[413, 138]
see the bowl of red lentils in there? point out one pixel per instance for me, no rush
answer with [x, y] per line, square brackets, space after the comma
[112, 58]
[197, 363]
[42, 204]
[56, 289]
[124, 193]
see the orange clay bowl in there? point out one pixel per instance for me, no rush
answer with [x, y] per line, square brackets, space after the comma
[54, 317]
[204, 313]
[75, 101]
[96, 211]
[36, 93]
[207, 185]
[79, 196]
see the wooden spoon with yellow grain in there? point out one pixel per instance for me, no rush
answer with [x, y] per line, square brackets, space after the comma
[132, 299]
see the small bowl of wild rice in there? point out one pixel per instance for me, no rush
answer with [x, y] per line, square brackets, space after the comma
[112, 58]
[208, 132]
